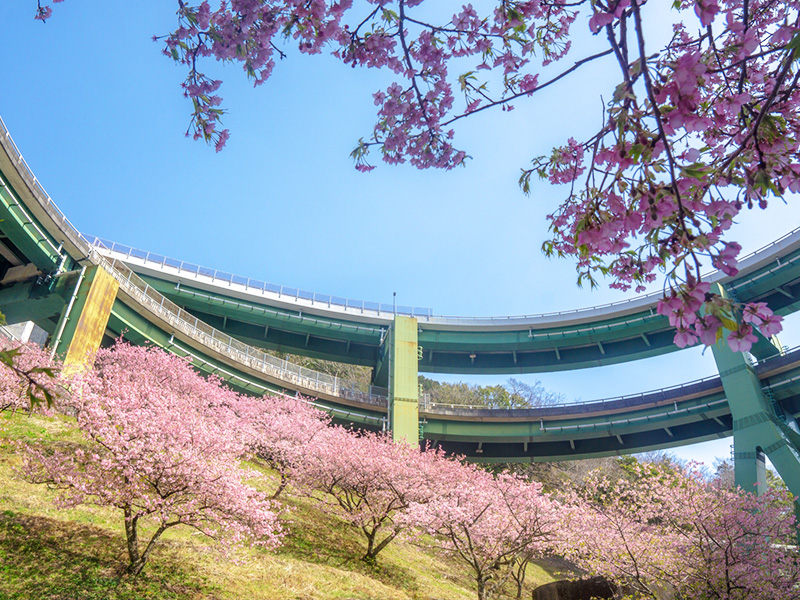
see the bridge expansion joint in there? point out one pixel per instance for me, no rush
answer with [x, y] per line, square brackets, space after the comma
[742, 367]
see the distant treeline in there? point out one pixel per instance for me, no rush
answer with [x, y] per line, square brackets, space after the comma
[513, 394]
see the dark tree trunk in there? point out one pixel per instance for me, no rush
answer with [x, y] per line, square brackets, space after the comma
[281, 486]
[135, 563]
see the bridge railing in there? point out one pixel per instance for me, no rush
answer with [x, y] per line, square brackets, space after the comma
[639, 399]
[325, 300]
[41, 195]
[282, 291]
[240, 352]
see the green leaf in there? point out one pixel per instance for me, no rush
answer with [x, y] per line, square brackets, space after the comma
[620, 92]
[525, 182]
[794, 46]
[696, 170]
[7, 356]
[636, 68]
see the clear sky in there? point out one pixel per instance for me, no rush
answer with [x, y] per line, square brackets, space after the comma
[98, 114]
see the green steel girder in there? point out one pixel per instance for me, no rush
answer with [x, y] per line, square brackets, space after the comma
[783, 299]
[266, 316]
[758, 429]
[608, 445]
[764, 281]
[276, 329]
[32, 301]
[289, 341]
[19, 226]
[522, 359]
[586, 427]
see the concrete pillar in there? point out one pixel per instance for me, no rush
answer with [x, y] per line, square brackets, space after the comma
[403, 380]
[83, 321]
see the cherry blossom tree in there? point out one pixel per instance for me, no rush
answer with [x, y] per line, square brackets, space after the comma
[280, 430]
[693, 132]
[369, 481]
[670, 528]
[161, 448]
[495, 524]
[29, 376]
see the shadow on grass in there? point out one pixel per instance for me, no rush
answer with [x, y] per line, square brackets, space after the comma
[559, 568]
[320, 538]
[54, 560]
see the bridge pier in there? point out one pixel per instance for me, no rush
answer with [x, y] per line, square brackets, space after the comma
[402, 344]
[83, 321]
[757, 430]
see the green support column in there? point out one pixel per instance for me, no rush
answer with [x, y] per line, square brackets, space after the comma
[27, 301]
[403, 380]
[756, 428]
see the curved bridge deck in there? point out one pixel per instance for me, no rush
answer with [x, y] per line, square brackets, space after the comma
[268, 317]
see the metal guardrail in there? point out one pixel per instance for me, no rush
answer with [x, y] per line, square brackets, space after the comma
[282, 291]
[386, 309]
[340, 412]
[641, 399]
[598, 404]
[602, 403]
[255, 358]
[647, 418]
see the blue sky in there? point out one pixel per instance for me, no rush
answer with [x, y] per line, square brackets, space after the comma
[98, 114]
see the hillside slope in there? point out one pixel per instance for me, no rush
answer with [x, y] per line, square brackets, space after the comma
[64, 554]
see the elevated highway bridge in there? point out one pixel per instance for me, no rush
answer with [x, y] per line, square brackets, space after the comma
[290, 320]
[85, 291]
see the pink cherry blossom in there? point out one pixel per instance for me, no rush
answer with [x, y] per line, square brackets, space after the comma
[668, 527]
[370, 481]
[493, 524]
[29, 377]
[692, 131]
[161, 448]
[742, 339]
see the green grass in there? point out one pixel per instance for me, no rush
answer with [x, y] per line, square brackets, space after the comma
[50, 553]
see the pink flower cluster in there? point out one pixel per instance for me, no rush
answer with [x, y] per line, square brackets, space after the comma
[698, 315]
[669, 527]
[29, 377]
[709, 126]
[163, 447]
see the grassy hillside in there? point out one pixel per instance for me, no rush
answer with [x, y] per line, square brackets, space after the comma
[63, 554]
